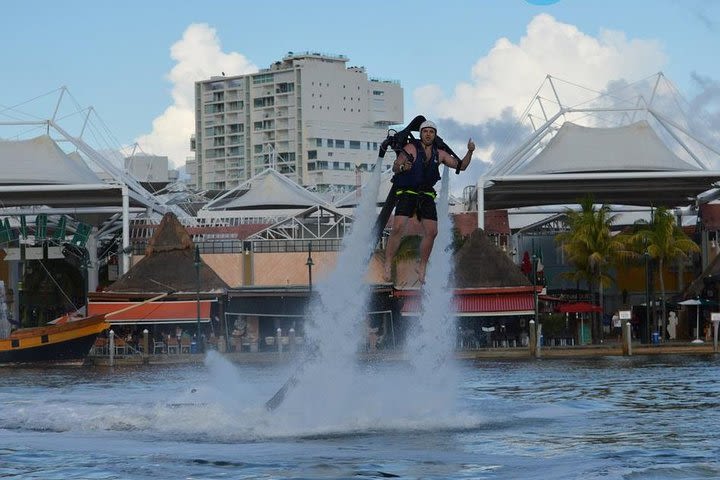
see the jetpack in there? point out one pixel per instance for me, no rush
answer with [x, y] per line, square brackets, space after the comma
[396, 140]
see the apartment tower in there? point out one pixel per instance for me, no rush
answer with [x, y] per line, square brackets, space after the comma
[309, 116]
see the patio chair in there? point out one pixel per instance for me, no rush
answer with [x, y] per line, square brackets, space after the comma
[158, 346]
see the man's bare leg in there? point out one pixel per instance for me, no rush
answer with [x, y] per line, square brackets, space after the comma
[392, 245]
[426, 246]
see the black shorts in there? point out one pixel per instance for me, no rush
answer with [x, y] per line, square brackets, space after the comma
[421, 204]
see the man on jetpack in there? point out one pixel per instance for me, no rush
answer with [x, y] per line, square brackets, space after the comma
[417, 169]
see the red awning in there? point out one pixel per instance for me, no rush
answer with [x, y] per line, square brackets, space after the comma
[578, 307]
[153, 312]
[478, 305]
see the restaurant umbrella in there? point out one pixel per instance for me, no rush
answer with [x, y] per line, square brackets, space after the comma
[697, 302]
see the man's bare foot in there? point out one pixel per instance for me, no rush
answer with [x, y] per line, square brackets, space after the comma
[420, 269]
[387, 273]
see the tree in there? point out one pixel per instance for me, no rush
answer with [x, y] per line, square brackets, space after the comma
[665, 242]
[591, 248]
[408, 250]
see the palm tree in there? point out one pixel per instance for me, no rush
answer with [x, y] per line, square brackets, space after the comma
[409, 249]
[665, 242]
[591, 248]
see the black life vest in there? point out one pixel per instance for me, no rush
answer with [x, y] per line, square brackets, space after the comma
[424, 173]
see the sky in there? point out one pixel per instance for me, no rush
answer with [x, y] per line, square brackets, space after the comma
[471, 65]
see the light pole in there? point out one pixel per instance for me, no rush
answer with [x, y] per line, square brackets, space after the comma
[309, 264]
[85, 265]
[647, 296]
[198, 263]
[534, 282]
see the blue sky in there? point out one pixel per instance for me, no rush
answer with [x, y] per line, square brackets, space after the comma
[459, 60]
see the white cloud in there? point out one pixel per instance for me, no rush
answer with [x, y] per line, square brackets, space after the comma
[199, 56]
[509, 74]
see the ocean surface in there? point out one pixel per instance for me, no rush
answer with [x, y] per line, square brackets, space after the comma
[600, 418]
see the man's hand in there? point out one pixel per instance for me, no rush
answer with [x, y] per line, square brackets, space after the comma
[405, 166]
[471, 145]
[402, 163]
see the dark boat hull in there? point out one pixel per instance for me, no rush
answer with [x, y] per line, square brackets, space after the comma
[52, 343]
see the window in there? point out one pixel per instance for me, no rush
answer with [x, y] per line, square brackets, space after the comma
[264, 125]
[214, 108]
[312, 154]
[263, 78]
[285, 87]
[214, 131]
[339, 143]
[378, 93]
[311, 166]
[258, 148]
[354, 145]
[264, 102]
[318, 142]
[330, 143]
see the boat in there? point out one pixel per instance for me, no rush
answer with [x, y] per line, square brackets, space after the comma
[67, 338]
[66, 341]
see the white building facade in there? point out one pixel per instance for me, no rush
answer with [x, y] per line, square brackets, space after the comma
[309, 116]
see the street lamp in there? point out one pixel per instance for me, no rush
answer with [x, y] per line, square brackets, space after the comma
[647, 295]
[534, 282]
[85, 265]
[198, 263]
[309, 264]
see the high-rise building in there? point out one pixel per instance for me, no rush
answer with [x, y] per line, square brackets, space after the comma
[309, 116]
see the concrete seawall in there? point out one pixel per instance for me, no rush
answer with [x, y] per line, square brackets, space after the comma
[487, 353]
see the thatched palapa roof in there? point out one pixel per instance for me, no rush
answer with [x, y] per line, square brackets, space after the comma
[711, 275]
[169, 264]
[479, 263]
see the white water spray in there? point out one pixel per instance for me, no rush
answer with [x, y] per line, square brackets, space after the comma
[338, 321]
[331, 391]
[431, 342]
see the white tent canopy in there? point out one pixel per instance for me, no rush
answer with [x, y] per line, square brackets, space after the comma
[269, 189]
[629, 148]
[636, 146]
[40, 161]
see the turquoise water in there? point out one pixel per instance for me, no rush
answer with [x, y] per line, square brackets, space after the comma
[609, 418]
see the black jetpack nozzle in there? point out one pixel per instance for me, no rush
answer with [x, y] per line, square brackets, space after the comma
[397, 140]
